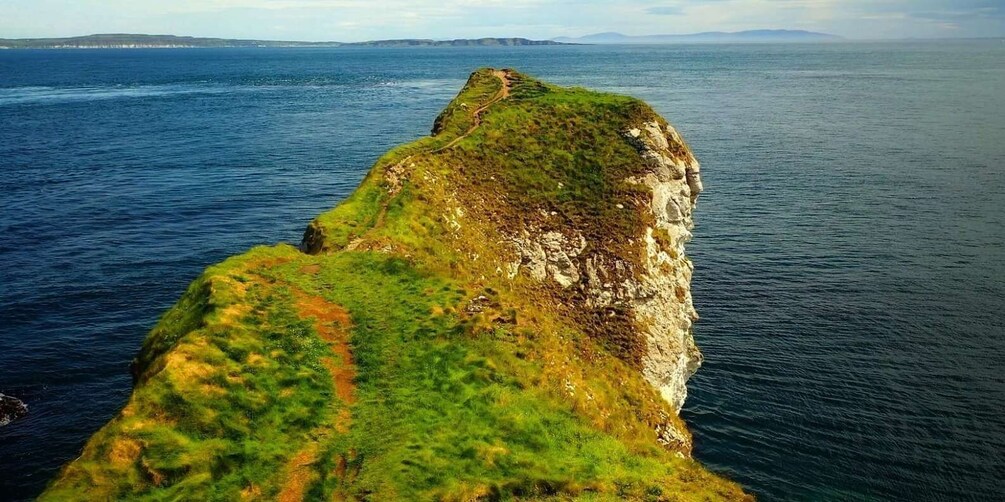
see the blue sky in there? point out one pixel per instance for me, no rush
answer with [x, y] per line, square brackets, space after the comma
[355, 20]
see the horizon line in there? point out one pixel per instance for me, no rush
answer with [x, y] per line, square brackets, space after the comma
[839, 38]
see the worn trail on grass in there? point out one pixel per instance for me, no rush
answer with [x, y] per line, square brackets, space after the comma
[333, 325]
[504, 92]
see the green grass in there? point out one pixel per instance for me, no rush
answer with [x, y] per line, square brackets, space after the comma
[525, 397]
[225, 407]
[334, 229]
[452, 412]
[561, 151]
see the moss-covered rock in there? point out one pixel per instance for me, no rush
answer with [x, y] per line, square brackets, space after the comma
[501, 310]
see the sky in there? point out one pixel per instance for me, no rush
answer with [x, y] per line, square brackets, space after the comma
[358, 20]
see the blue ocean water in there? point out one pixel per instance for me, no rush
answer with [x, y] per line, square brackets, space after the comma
[850, 269]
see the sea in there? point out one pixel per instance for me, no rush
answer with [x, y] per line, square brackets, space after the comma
[849, 250]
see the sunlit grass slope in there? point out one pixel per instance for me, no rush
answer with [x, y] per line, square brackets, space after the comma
[392, 357]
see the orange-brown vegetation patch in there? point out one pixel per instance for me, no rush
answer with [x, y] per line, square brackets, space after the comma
[342, 424]
[300, 475]
[184, 365]
[234, 312]
[332, 323]
[124, 452]
[251, 492]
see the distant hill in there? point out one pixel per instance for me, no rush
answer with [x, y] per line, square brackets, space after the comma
[131, 41]
[118, 41]
[460, 42]
[751, 36]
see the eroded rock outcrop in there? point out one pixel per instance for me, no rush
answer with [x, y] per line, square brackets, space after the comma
[662, 299]
[657, 290]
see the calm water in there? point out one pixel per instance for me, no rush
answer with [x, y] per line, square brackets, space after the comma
[850, 262]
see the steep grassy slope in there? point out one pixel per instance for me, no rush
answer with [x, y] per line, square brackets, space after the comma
[403, 352]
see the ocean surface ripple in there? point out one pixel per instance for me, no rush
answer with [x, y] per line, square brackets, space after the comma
[850, 269]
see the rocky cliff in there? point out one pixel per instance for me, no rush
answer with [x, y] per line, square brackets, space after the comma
[501, 310]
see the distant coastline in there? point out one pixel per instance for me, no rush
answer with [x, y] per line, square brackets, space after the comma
[140, 41]
[749, 36]
[133, 41]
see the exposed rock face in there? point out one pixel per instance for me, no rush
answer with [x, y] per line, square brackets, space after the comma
[11, 409]
[551, 256]
[662, 301]
[655, 288]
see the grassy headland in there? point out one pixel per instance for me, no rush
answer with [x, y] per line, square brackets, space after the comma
[394, 356]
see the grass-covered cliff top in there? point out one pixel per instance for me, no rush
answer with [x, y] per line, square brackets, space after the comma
[395, 356]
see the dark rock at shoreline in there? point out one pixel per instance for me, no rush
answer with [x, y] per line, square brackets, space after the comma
[11, 409]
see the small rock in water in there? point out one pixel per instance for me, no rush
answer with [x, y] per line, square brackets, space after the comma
[11, 409]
